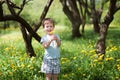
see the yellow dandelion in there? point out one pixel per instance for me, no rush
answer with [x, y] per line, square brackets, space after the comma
[29, 66]
[12, 65]
[95, 60]
[118, 60]
[84, 74]
[6, 49]
[109, 58]
[62, 62]
[33, 58]
[73, 74]
[78, 69]
[101, 57]
[65, 75]
[92, 51]
[83, 51]
[74, 58]
[51, 32]
[118, 67]
[22, 58]
[93, 56]
[100, 62]
[10, 73]
[114, 48]
[92, 65]
[22, 65]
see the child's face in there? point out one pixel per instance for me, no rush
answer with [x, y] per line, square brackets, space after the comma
[48, 27]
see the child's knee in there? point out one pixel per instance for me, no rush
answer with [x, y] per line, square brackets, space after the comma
[49, 76]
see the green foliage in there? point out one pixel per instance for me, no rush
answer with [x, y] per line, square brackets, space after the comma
[78, 58]
[32, 12]
[116, 20]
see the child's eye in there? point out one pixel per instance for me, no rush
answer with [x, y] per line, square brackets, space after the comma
[49, 26]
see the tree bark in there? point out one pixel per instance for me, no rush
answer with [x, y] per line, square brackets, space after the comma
[24, 26]
[1, 11]
[94, 15]
[75, 30]
[72, 12]
[27, 41]
[44, 13]
[100, 45]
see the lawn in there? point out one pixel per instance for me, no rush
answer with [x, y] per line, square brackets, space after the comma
[78, 57]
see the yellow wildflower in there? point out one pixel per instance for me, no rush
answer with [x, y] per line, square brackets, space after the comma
[108, 59]
[78, 69]
[22, 65]
[10, 73]
[84, 74]
[51, 32]
[74, 58]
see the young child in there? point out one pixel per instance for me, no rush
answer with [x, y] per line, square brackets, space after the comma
[51, 43]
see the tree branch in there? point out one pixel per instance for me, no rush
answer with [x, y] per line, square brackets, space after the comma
[10, 7]
[1, 10]
[46, 8]
[22, 6]
[24, 23]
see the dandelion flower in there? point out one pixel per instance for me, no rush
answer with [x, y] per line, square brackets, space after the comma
[51, 32]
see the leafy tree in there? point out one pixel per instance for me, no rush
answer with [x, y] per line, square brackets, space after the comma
[15, 8]
[113, 8]
[76, 17]
[74, 12]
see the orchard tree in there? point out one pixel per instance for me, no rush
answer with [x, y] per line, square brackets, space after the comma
[27, 30]
[73, 12]
[114, 6]
[78, 10]
[76, 14]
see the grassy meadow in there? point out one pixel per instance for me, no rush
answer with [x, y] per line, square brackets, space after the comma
[78, 58]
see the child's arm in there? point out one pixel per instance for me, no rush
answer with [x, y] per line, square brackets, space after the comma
[46, 44]
[58, 42]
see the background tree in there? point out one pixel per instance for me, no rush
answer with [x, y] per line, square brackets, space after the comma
[27, 31]
[71, 9]
[75, 10]
[114, 6]
[72, 12]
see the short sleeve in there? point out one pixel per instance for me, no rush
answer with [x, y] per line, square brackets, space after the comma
[42, 39]
[58, 36]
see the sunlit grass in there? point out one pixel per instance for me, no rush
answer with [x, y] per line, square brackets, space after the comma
[78, 58]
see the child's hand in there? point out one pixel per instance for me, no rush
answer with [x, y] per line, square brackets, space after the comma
[53, 37]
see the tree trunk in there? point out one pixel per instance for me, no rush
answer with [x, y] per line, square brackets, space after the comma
[94, 16]
[1, 11]
[100, 47]
[27, 31]
[83, 26]
[27, 41]
[75, 30]
[95, 25]
[71, 10]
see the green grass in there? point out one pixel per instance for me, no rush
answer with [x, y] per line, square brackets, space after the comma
[78, 58]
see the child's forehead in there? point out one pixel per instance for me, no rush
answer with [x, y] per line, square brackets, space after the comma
[48, 22]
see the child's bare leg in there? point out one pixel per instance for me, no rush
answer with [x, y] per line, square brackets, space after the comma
[48, 76]
[55, 77]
